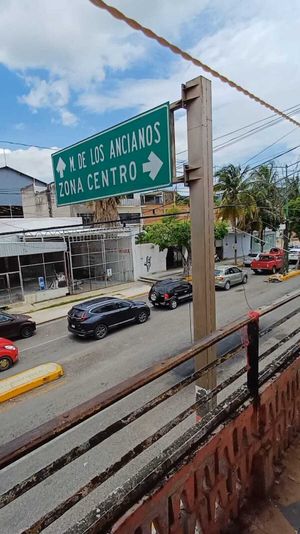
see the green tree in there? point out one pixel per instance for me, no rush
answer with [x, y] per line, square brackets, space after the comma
[294, 216]
[176, 233]
[268, 200]
[235, 200]
[105, 209]
[292, 187]
[221, 229]
[171, 232]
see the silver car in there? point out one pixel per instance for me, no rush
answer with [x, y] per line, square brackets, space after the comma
[227, 276]
[248, 259]
[294, 253]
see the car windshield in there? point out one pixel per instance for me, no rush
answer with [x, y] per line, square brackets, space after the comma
[6, 315]
[165, 285]
[218, 271]
[264, 257]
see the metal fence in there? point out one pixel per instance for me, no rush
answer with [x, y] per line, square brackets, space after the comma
[108, 515]
[80, 260]
[11, 289]
[99, 261]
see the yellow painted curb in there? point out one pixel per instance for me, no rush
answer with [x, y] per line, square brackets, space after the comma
[292, 274]
[283, 277]
[26, 380]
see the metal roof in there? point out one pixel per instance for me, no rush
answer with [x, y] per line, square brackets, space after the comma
[23, 248]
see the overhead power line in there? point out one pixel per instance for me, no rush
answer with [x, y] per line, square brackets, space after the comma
[287, 110]
[275, 157]
[291, 110]
[188, 57]
[24, 144]
[270, 146]
[251, 132]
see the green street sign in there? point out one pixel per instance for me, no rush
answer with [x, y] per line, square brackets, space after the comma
[130, 157]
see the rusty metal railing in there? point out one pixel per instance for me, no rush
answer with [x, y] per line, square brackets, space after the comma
[48, 431]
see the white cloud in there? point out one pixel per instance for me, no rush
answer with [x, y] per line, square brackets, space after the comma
[248, 50]
[78, 45]
[33, 161]
[45, 94]
[68, 118]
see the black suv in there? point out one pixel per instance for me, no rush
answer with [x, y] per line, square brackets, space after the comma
[170, 292]
[95, 317]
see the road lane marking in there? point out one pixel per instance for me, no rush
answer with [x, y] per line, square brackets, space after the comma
[44, 343]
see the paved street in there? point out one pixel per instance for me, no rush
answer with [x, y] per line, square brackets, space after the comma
[93, 366]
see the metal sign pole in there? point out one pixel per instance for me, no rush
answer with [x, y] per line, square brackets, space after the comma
[199, 176]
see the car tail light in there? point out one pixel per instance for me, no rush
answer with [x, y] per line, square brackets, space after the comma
[166, 296]
[84, 316]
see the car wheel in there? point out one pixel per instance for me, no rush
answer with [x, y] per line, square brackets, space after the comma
[274, 270]
[245, 280]
[5, 363]
[27, 331]
[100, 331]
[142, 317]
[227, 286]
[173, 304]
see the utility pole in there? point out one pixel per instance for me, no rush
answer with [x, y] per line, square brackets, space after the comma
[49, 200]
[199, 176]
[286, 227]
[235, 242]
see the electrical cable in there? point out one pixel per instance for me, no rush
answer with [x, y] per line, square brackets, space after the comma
[26, 145]
[255, 122]
[245, 135]
[275, 157]
[270, 123]
[269, 146]
[116, 13]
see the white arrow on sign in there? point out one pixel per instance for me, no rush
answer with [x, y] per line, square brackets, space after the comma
[153, 165]
[61, 167]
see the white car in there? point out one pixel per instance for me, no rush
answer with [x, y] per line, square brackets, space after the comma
[294, 253]
[248, 259]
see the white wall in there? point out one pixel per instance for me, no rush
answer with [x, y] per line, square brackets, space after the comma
[148, 259]
[243, 245]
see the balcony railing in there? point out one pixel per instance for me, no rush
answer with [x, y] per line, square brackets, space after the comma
[199, 481]
[130, 202]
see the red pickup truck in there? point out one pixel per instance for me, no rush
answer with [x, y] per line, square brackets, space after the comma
[267, 262]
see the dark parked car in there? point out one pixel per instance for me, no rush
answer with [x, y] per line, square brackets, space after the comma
[95, 317]
[170, 292]
[12, 326]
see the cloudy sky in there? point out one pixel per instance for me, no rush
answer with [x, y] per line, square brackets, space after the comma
[69, 70]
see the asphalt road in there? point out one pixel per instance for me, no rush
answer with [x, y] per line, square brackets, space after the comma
[93, 366]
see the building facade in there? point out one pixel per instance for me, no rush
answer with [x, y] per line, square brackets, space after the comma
[11, 184]
[42, 203]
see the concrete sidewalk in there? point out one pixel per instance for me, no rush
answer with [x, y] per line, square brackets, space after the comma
[44, 312]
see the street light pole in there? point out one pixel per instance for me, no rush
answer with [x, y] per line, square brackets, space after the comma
[286, 227]
[199, 176]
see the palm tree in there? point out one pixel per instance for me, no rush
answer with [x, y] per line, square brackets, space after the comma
[236, 202]
[106, 209]
[265, 191]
